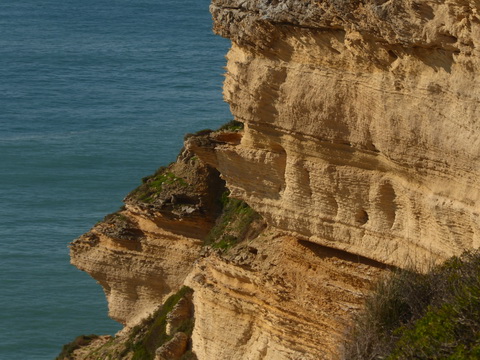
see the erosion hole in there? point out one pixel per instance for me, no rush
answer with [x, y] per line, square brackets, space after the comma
[361, 217]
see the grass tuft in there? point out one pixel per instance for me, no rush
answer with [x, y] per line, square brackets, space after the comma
[153, 185]
[143, 344]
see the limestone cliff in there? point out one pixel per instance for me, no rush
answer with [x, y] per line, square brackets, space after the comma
[360, 121]
[359, 149]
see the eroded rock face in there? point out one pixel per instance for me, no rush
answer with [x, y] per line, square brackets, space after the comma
[144, 252]
[276, 298]
[361, 128]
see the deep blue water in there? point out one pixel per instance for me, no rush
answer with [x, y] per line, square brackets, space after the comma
[94, 95]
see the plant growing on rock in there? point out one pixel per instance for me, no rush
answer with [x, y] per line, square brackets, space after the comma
[233, 223]
[422, 316]
[153, 185]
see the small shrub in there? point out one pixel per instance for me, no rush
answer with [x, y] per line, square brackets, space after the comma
[422, 316]
[232, 126]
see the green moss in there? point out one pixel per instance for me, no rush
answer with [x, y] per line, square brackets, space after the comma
[233, 223]
[231, 126]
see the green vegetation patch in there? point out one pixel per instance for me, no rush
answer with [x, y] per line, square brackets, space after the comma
[233, 223]
[116, 218]
[143, 343]
[153, 185]
[232, 126]
[422, 316]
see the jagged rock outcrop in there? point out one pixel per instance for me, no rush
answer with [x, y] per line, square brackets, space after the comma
[148, 340]
[174, 349]
[360, 117]
[143, 253]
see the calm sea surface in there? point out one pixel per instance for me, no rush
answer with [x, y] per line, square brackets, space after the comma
[94, 95]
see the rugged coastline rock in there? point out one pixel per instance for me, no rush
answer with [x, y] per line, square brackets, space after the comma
[358, 149]
[143, 253]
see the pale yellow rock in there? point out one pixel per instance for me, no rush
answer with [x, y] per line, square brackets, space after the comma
[136, 277]
[361, 128]
[143, 253]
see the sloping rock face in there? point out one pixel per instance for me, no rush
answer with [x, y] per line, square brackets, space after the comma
[277, 298]
[361, 122]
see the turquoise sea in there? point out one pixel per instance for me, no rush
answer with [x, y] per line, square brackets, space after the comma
[94, 95]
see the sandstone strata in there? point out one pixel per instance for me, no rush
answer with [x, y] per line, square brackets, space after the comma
[360, 122]
[276, 298]
[360, 147]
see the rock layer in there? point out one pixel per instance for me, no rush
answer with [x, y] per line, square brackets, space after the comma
[360, 122]
[276, 298]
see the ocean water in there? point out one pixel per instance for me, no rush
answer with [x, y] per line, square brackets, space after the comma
[94, 95]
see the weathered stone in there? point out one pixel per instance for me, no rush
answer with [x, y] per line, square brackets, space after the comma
[174, 349]
[181, 312]
[143, 253]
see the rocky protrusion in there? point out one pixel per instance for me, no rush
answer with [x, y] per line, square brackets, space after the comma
[361, 128]
[276, 298]
[143, 252]
[181, 312]
[174, 349]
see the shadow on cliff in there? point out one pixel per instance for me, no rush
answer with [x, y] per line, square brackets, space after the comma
[325, 252]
